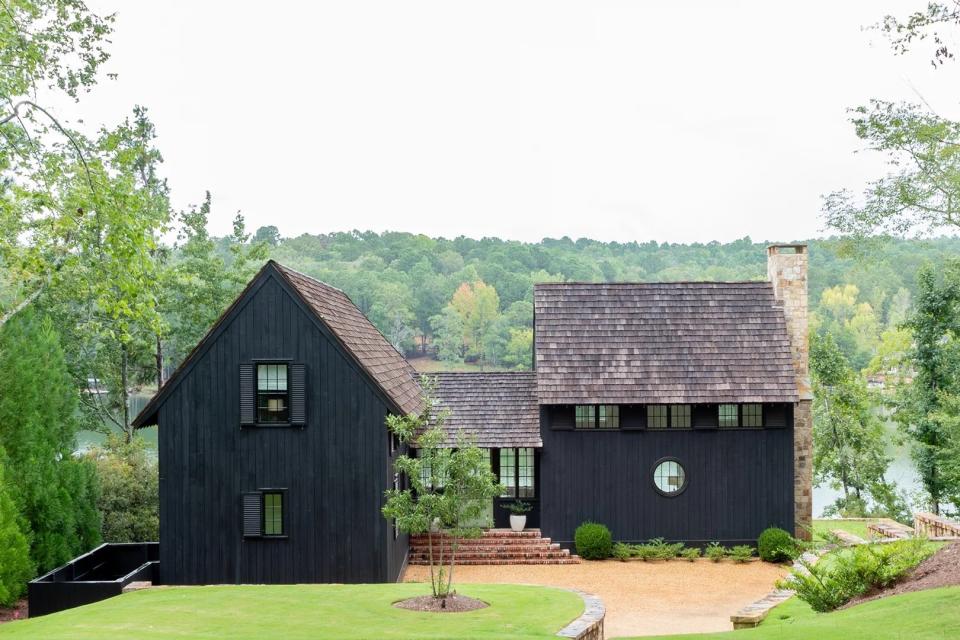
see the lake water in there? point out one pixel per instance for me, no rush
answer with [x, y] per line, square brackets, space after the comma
[901, 471]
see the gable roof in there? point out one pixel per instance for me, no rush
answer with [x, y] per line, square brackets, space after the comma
[498, 409]
[388, 368]
[683, 342]
[372, 352]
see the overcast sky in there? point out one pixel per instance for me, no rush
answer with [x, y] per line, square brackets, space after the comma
[693, 121]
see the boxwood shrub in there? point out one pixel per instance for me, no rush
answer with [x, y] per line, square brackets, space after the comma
[593, 541]
[776, 545]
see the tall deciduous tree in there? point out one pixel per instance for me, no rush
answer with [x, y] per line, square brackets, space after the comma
[926, 407]
[849, 439]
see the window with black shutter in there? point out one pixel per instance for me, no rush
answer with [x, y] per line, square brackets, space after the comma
[263, 514]
[273, 394]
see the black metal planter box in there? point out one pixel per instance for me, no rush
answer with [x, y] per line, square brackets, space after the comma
[96, 575]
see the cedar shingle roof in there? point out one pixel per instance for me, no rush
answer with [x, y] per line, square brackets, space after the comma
[498, 409]
[373, 351]
[661, 342]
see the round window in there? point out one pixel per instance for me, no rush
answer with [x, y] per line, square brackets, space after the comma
[669, 477]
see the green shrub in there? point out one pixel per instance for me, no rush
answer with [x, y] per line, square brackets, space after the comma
[776, 545]
[593, 541]
[716, 552]
[690, 553]
[741, 553]
[659, 549]
[851, 572]
[622, 551]
[16, 568]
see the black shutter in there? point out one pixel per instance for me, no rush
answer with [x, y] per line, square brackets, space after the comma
[247, 395]
[252, 514]
[562, 418]
[298, 394]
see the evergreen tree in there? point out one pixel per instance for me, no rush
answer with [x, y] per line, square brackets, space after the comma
[54, 491]
[16, 568]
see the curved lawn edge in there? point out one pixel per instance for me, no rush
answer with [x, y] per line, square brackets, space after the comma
[306, 611]
[933, 614]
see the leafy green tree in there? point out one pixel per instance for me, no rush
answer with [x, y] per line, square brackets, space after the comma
[448, 335]
[16, 567]
[518, 351]
[204, 277]
[479, 308]
[268, 235]
[924, 408]
[849, 439]
[129, 500]
[449, 489]
[55, 492]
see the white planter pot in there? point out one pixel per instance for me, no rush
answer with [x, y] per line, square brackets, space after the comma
[517, 523]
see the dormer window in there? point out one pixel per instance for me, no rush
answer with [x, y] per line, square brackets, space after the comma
[272, 399]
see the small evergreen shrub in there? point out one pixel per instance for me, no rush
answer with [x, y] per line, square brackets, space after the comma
[848, 573]
[741, 553]
[776, 545]
[715, 552]
[690, 553]
[622, 551]
[593, 541]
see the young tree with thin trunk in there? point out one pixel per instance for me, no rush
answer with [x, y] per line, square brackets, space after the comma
[448, 490]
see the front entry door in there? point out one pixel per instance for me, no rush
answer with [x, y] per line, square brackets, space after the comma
[518, 471]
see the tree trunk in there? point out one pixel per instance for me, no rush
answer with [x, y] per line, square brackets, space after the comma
[127, 433]
[159, 357]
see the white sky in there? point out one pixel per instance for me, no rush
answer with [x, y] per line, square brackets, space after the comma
[625, 121]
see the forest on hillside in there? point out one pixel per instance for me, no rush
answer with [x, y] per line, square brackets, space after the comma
[469, 302]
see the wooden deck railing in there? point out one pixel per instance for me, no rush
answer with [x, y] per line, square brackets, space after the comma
[934, 526]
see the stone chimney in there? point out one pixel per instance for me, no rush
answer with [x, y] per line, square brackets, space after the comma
[787, 271]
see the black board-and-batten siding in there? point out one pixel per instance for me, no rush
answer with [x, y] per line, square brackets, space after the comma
[739, 481]
[334, 469]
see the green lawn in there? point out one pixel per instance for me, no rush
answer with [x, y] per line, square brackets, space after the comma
[856, 527]
[305, 611]
[922, 615]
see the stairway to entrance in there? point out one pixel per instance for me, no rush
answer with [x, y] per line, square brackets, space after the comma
[495, 546]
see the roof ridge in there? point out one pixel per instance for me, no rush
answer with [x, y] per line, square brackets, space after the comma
[284, 267]
[647, 283]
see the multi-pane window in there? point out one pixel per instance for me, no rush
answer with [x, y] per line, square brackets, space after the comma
[657, 416]
[272, 404]
[586, 416]
[525, 473]
[752, 415]
[518, 472]
[608, 416]
[729, 415]
[396, 487]
[680, 416]
[272, 513]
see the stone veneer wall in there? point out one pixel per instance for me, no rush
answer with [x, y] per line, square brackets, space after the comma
[787, 271]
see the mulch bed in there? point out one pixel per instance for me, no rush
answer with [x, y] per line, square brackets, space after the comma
[942, 569]
[454, 604]
[16, 612]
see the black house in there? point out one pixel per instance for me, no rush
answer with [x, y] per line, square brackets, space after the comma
[273, 451]
[675, 410]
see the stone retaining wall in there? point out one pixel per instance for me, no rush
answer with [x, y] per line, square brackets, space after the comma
[934, 526]
[589, 626]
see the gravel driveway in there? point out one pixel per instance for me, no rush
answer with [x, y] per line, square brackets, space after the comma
[643, 598]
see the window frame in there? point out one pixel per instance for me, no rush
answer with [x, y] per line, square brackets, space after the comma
[720, 423]
[760, 416]
[653, 477]
[588, 424]
[673, 414]
[262, 494]
[608, 417]
[256, 390]
[513, 471]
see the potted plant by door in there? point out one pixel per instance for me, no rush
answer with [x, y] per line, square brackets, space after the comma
[518, 514]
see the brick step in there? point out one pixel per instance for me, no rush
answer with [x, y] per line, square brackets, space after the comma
[484, 538]
[484, 544]
[493, 533]
[567, 560]
[559, 553]
[468, 548]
